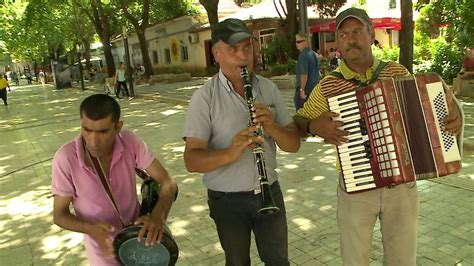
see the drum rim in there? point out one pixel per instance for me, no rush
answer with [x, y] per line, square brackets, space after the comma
[167, 241]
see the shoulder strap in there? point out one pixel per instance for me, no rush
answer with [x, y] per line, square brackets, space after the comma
[377, 71]
[99, 170]
[375, 76]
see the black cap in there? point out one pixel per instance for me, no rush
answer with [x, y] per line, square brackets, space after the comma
[230, 31]
[353, 12]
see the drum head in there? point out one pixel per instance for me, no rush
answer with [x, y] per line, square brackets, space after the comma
[132, 252]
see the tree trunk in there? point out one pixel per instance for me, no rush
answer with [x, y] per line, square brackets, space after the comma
[292, 24]
[109, 59]
[145, 56]
[406, 35]
[211, 9]
[87, 54]
[102, 27]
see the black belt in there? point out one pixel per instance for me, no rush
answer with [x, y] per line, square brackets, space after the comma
[214, 193]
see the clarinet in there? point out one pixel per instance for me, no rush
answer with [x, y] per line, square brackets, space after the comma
[268, 205]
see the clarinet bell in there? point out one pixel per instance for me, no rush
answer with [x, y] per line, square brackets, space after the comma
[269, 206]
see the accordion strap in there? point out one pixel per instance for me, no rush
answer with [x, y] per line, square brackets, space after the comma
[99, 170]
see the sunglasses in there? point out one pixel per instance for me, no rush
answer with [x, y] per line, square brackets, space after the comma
[300, 41]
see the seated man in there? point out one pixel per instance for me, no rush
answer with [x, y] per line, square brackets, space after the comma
[76, 182]
[467, 71]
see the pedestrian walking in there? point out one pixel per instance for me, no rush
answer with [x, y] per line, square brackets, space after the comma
[121, 80]
[221, 145]
[307, 70]
[3, 88]
[41, 77]
[396, 206]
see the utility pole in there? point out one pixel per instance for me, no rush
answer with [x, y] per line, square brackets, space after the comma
[127, 61]
[303, 10]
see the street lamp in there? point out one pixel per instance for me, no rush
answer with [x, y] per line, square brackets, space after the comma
[127, 61]
[79, 55]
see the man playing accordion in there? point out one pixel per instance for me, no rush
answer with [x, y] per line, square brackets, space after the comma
[396, 206]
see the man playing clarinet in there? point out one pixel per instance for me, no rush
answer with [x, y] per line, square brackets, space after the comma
[220, 144]
[396, 206]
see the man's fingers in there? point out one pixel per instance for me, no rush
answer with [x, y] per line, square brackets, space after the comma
[248, 131]
[142, 232]
[330, 114]
[106, 227]
[452, 126]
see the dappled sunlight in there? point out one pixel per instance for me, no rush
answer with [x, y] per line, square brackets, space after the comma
[315, 140]
[179, 227]
[2, 169]
[189, 181]
[152, 124]
[169, 112]
[178, 149]
[328, 159]
[198, 208]
[330, 151]
[326, 208]
[31, 202]
[290, 166]
[7, 157]
[318, 178]
[61, 114]
[289, 198]
[53, 245]
[187, 88]
[174, 149]
[303, 223]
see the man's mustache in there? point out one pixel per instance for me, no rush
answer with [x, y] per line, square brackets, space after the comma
[351, 46]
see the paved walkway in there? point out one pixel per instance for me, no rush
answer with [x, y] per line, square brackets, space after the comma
[39, 120]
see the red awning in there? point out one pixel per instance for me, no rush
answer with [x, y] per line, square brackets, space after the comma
[378, 23]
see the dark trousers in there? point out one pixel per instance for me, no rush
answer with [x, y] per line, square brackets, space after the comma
[3, 95]
[123, 84]
[235, 216]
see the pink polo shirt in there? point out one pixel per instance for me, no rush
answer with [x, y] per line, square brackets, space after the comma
[72, 178]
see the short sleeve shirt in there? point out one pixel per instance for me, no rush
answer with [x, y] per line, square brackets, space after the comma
[71, 177]
[307, 64]
[468, 64]
[217, 113]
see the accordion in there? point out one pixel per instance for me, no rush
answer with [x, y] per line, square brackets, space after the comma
[396, 133]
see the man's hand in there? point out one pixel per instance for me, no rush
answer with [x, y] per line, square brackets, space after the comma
[327, 129]
[452, 122]
[100, 233]
[262, 115]
[302, 94]
[152, 227]
[243, 141]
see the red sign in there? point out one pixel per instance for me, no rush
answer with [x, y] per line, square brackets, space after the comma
[378, 23]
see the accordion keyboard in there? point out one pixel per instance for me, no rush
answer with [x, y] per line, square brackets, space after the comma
[355, 154]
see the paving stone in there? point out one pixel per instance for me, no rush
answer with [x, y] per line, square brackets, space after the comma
[39, 120]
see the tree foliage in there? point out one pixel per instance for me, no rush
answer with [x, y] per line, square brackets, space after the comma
[327, 8]
[143, 13]
[454, 16]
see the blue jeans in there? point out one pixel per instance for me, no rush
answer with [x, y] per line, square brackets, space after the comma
[235, 216]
